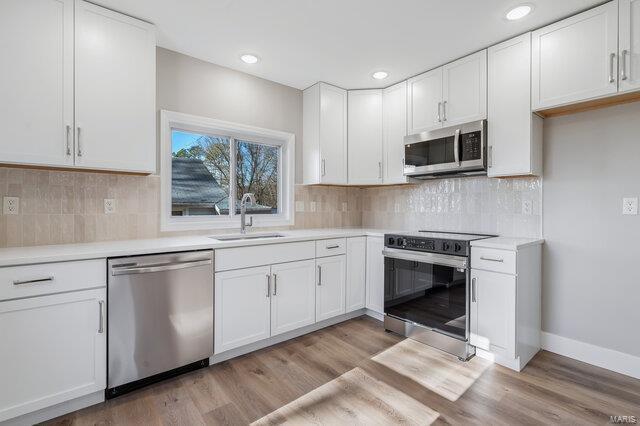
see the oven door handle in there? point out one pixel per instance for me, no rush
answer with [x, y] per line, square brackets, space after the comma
[422, 257]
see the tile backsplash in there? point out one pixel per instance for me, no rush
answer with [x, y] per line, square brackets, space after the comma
[58, 207]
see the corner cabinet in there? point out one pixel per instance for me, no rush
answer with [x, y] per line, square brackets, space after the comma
[375, 274]
[629, 45]
[324, 121]
[365, 137]
[394, 129]
[514, 132]
[80, 91]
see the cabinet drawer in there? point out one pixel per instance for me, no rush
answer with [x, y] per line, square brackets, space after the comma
[332, 247]
[48, 278]
[268, 254]
[493, 260]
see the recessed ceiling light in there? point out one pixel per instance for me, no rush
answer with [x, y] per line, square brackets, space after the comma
[518, 12]
[249, 59]
[380, 75]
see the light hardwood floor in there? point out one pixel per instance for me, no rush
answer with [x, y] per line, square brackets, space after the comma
[356, 373]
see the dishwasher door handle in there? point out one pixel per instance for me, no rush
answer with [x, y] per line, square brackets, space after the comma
[159, 268]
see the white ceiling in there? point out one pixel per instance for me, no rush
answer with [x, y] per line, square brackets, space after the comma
[341, 42]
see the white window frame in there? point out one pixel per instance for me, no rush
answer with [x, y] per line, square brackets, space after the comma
[170, 120]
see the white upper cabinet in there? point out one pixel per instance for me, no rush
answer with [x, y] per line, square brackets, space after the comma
[629, 45]
[365, 137]
[115, 91]
[464, 90]
[424, 102]
[325, 135]
[394, 129]
[576, 59]
[515, 134]
[36, 82]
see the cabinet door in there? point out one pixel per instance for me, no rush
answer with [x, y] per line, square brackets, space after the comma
[356, 273]
[464, 87]
[36, 82]
[365, 137]
[629, 45]
[394, 129]
[575, 59]
[424, 101]
[330, 276]
[54, 350]
[293, 296]
[242, 307]
[115, 91]
[510, 127]
[311, 169]
[333, 135]
[493, 312]
[375, 274]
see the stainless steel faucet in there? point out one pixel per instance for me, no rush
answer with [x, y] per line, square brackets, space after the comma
[243, 211]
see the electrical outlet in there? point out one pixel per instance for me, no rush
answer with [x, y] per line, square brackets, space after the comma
[527, 207]
[312, 206]
[630, 205]
[109, 205]
[11, 205]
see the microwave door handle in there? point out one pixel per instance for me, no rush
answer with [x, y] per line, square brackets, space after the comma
[456, 147]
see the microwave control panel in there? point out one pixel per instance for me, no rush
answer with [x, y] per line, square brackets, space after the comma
[471, 146]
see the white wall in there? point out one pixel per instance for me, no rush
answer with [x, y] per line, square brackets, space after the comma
[192, 86]
[591, 261]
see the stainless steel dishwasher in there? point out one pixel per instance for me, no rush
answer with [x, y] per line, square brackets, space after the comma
[160, 317]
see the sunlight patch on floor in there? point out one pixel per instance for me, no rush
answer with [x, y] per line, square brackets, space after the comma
[437, 371]
[353, 398]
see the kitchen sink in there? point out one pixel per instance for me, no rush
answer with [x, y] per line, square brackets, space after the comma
[245, 237]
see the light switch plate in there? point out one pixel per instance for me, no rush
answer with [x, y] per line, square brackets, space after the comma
[630, 205]
[11, 205]
[109, 205]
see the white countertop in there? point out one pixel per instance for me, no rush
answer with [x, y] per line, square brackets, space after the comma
[66, 252]
[506, 243]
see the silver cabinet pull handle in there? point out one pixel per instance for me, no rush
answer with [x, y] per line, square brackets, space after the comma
[68, 140]
[379, 170]
[101, 323]
[324, 167]
[34, 281]
[268, 285]
[612, 56]
[444, 110]
[438, 118]
[473, 289]
[490, 259]
[319, 275]
[275, 284]
[623, 65]
[490, 156]
[79, 144]
[332, 247]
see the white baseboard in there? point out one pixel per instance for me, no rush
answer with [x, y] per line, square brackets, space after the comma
[374, 314]
[610, 359]
[57, 410]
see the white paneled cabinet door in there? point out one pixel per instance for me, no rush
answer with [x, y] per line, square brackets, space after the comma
[333, 135]
[493, 312]
[356, 273]
[375, 274]
[293, 296]
[54, 350]
[424, 102]
[330, 288]
[242, 307]
[365, 137]
[114, 91]
[515, 143]
[464, 90]
[576, 59]
[36, 82]
[394, 129]
[629, 60]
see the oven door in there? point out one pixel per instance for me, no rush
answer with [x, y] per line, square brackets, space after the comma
[428, 289]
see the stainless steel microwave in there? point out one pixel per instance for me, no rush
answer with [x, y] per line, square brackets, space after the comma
[460, 150]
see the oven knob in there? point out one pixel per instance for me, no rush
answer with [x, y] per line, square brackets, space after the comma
[457, 247]
[445, 246]
[391, 241]
[402, 242]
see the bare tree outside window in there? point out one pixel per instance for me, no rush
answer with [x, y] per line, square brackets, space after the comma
[257, 172]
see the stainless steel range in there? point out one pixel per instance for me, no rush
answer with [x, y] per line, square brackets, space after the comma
[427, 288]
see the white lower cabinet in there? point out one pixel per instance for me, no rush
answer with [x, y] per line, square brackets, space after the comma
[54, 350]
[330, 289]
[356, 286]
[293, 301]
[375, 274]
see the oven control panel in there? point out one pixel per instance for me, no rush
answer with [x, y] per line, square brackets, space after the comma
[433, 245]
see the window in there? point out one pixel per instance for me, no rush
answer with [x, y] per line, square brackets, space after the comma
[208, 165]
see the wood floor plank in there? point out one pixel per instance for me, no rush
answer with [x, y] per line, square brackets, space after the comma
[356, 373]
